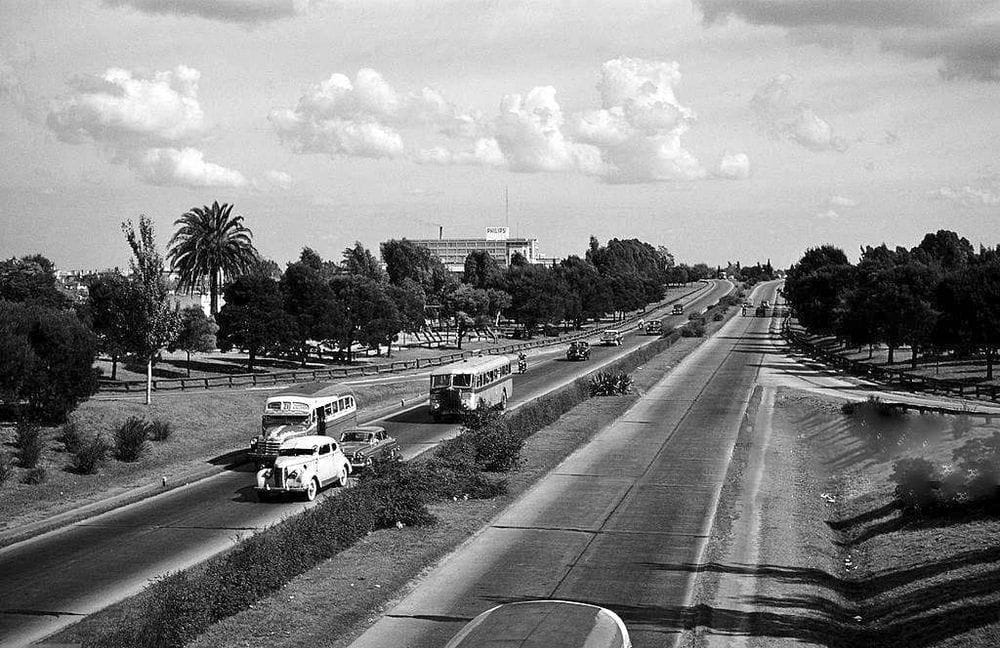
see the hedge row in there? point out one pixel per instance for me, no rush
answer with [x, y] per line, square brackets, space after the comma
[177, 608]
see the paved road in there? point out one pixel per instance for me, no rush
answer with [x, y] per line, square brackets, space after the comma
[51, 581]
[620, 523]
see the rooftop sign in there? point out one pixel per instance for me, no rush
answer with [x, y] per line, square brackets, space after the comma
[497, 233]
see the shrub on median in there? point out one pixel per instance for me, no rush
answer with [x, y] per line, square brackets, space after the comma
[29, 443]
[89, 454]
[610, 384]
[694, 328]
[130, 438]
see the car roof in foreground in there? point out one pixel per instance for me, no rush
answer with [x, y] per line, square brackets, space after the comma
[544, 624]
[364, 428]
[306, 441]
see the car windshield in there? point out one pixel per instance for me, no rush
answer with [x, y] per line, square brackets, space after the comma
[356, 436]
[462, 380]
[440, 381]
[296, 452]
[272, 420]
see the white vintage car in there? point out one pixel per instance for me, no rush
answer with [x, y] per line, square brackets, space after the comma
[304, 465]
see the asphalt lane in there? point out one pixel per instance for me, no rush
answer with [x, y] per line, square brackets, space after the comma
[621, 523]
[51, 581]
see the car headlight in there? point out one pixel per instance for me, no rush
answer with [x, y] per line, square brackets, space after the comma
[253, 442]
[435, 405]
[266, 474]
[358, 454]
[293, 474]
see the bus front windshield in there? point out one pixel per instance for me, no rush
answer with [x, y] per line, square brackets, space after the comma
[440, 381]
[462, 380]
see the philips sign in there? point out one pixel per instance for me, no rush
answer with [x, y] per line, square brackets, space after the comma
[497, 233]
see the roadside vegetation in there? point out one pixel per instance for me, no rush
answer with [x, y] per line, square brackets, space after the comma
[940, 300]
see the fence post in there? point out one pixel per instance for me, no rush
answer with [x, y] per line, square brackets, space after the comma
[206, 383]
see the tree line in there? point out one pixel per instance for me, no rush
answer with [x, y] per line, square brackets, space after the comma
[940, 296]
[49, 342]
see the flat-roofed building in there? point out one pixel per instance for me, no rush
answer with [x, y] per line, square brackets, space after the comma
[497, 242]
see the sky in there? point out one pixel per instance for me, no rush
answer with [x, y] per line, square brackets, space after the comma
[722, 129]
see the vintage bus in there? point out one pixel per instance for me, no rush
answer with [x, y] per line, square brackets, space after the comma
[301, 410]
[470, 383]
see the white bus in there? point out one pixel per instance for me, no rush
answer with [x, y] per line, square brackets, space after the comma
[302, 410]
[470, 383]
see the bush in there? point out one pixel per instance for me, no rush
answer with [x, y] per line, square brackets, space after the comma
[694, 328]
[130, 438]
[89, 455]
[917, 484]
[35, 476]
[497, 447]
[718, 317]
[6, 467]
[29, 443]
[70, 436]
[610, 384]
[158, 430]
[961, 425]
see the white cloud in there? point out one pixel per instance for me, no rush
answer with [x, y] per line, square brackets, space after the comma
[735, 166]
[985, 194]
[843, 201]
[529, 133]
[279, 179]
[185, 167]
[151, 123]
[486, 151]
[120, 109]
[828, 215]
[782, 116]
[235, 11]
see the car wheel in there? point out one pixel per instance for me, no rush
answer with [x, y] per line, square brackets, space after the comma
[311, 490]
[342, 479]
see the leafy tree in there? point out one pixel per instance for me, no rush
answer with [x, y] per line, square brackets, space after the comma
[483, 271]
[969, 301]
[404, 259]
[901, 299]
[253, 318]
[470, 309]
[410, 301]
[309, 301]
[537, 295]
[588, 294]
[360, 261]
[46, 360]
[365, 313]
[211, 243]
[817, 285]
[111, 300]
[154, 320]
[196, 333]
[31, 279]
[945, 249]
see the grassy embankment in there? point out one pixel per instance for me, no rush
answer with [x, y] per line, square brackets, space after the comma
[838, 562]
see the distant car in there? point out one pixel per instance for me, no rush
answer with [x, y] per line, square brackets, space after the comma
[304, 465]
[578, 350]
[367, 444]
[748, 303]
[612, 337]
[654, 328]
[765, 304]
[544, 624]
[678, 310]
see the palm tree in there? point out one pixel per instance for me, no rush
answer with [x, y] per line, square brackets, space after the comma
[210, 244]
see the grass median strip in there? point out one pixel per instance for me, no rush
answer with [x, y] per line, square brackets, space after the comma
[283, 585]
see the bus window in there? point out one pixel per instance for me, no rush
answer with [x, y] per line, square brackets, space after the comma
[350, 401]
[440, 381]
[329, 409]
[462, 380]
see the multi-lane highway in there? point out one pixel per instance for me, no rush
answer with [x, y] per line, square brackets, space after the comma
[51, 581]
[621, 523]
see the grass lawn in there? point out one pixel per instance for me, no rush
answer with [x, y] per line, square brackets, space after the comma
[207, 426]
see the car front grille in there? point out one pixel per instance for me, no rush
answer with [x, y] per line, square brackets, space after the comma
[270, 447]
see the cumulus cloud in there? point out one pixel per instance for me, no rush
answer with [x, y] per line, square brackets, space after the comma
[842, 201]
[151, 123]
[184, 167]
[247, 12]
[363, 117]
[984, 193]
[635, 135]
[279, 179]
[829, 214]
[120, 109]
[782, 116]
[963, 34]
[735, 166]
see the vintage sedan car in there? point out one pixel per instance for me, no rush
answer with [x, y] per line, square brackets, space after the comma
[303, 466]
[677, 310]
[654, 328]
[367, 444]
[578, 350]
[544, 624]
[611, 337]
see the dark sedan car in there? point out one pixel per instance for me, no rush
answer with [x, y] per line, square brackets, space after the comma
[365, 445]
[578, 351]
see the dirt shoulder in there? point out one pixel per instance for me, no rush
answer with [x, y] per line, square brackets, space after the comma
[809, 547]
